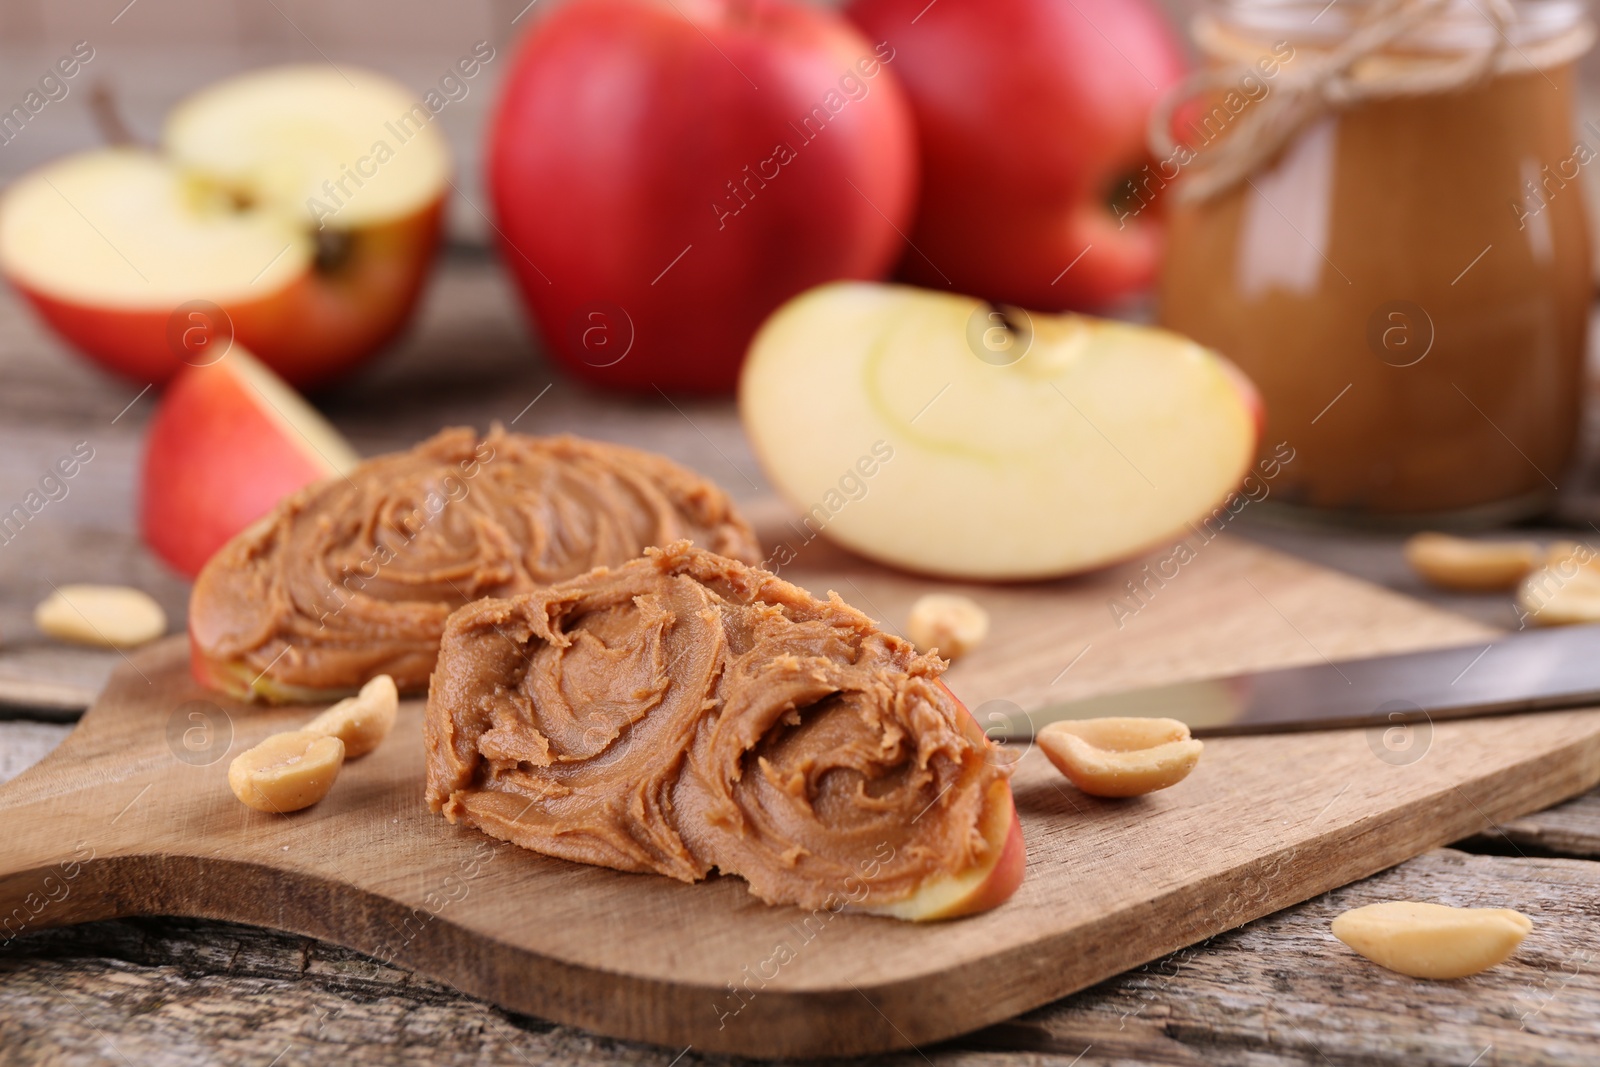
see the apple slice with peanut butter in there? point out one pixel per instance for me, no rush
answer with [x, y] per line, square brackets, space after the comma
[685, 713]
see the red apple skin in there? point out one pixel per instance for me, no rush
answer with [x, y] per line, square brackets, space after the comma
[130, 342]
[214, 462]
[1030, 114]
[317, 329]
[620, 126]
[206, 673]
[1006, 875]
[1003, 880]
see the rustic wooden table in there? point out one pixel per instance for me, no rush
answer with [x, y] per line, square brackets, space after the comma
[170, 991]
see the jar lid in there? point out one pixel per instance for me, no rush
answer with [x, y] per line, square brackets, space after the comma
[1458, 26]
[1353, 53]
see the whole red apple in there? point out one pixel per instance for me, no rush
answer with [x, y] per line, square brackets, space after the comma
[1031, 118]
[665, 174]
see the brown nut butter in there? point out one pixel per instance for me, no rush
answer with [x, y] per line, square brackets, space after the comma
[1406, 276]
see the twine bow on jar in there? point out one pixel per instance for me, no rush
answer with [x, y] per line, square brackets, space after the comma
[1358, 68]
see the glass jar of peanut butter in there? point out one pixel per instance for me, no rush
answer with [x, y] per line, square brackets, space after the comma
[1376, 210]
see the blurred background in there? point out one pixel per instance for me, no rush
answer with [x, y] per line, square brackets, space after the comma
[155, 52]
[470, 356]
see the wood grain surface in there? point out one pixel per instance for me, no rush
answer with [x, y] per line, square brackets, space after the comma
[175, 991]
[1280, 992]
[125, 818]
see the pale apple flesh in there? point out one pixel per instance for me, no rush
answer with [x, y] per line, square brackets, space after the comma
[249, 224]
[984, 887]
[990, 883]
[934, 433]
[321, 324]
[227, 442]
[243, 683]
[336, 149]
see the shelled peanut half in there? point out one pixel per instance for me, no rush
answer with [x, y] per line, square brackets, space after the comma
[1436, 941]
[1464, 565]
[1554, 586]
[1121, 757]
[1565, 590]
[293, 770]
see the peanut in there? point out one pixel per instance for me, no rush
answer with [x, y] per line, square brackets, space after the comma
[1561, 594]
[1559, 552]
[1471, 566]
[286, 772]
[1121, 757]
[108, 616]
[361, 721]
[954, 625]
[1432, 940]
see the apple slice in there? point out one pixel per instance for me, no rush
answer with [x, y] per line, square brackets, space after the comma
[986, 886]
[936, 433]
[292, 208]
[982, 888]
[251, 686]
[227, 442]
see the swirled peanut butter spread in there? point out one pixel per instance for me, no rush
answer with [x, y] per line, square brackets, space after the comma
[354, 576]
[684, 712]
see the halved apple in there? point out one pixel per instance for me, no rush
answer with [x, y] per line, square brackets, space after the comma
[296, 209]
[228, 441]
[936, 433]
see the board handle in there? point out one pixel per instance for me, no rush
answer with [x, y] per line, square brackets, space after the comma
[42, 890]
[56, 858]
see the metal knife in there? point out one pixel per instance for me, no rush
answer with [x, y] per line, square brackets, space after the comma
[1538, 670]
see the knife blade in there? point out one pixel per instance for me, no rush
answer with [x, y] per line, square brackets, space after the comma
[1539, 670]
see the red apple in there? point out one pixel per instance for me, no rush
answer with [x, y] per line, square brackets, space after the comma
[228, 441]
[1031, 118]
[271, 216]
[664, 174]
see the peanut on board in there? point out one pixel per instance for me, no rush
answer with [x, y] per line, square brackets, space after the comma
[1471, 566]
[953, 624]
[110, 616]
[287, 772]
[361, 721]
[1432, 940]
[1121, 757]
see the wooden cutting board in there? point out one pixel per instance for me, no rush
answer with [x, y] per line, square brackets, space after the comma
[132, 815]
